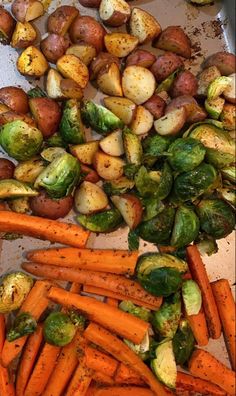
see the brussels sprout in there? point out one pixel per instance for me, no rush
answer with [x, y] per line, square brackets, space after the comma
[13, 290]
[154, 147]
[164, 365]
[217, 87]
[166, 320]
[183, 343]
[130, 170]
[228, 194]
[133, 240]
[161, 281]
[149, 261]
[101, 222]
[142, 350]
[119, 186]
[56, 141]
[71, 128]
[185, 154]
[23, 324]
[51, 153]
[19, 205]
[168, 82]
[214, 107]
[158, 229]
[206, 245]
[153, 206]
[28, 171]
[99, 118]
[11, 188]
[77, 319]
[58, 329]
[186, 227]
[154, 183]
[207, 121]
[36, 92]
[20, 140]
[140, 312]
[192, 297]
[229, 173]
[60, 176]
[216, 217]
[132, 146]
[190, 185]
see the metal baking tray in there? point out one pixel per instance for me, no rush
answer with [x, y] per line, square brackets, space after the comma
[211, 29]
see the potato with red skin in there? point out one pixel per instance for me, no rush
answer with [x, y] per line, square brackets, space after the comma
[165, 65]
[6, 169]
[88, 30]
[114, 12]
[7, 25]
[104, 59]
[140, 57]
[15, 98]
[130, 207]
[54, 46]
[156, 105]
[224, 61]
[27, 10]
[175, 40]
[44, 206]
[90, 3]
[89, 174]
[194, 112]
[47, 114]
[10, 116]
[24, 35]
[61, 19]
[184, 84]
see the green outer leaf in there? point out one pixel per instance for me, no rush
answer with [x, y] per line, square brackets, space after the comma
[101, 222]
[186, 227]
[206, 245]
[23, 324]
[183, 343]
[148, 187]
[186, 154]
[149, 261]
[161, 281]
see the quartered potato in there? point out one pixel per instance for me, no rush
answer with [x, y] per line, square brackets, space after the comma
[71, 67]
[61, 19]
[27, 10]
[130, 208]
[114, 12]
[85, 152]
[109, 80]
[138, 84]
[113, 144]
[142, 122]
[23, 35]
[103, 59]
[90, 198]
[32, 62]
[71, 90]
[47, 114]
[120, 44]
[108, 167]
[85, 52]
[123, 108]
[28, 171]
[184, 84]
[194, 112]
[171, 123]
[174, 39]
[165, 65]
[143, 25]
[15, 99]
[53, 85]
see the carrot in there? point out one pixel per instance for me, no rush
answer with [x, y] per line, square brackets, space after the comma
[99, 361]
[114, 261]
[199, 328]
[6, 386]
[197, 385]
[121, 323]
[199, 274]
[226, 308]
[116, 283]
[122, 391]
[114, 346]
[205, 366]
[81, 380]
[2, 331]
[35, 303]
[126, 375]
[28, 359]
[103, 379]
[112, 301]
[51, 230]
[75, 287]
[166, 249]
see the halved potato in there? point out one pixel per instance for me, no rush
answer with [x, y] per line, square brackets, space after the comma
[109, 80]
[23, 35]
[175, 40]
[71, 89]
[138, 84]
[230, 92]
[143, 25]
[85, 52]
[113, 144]
[130, 208]
[7, 24]
[171, 123]
[90, 198]
[103, 59]
[32, 62]
[142, 122]
[120, 44]
[114, 12]
[71, 67]
[53, 85]
[85, 152]
[123, 108]
[61, 19]
[108, 167]
[27, 10]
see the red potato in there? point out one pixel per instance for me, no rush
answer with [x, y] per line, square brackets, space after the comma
[194, 112]
[10, 116]
[15, 98]
[138, 84]
[130, 208]
[224, 61]
[27, 10]
[85, 52]
[88, 30]
[6, 169]
[156, 105]
[165, 65]
[73, 68]
[108, 167]
[47, 114]
[120, 44]
[54, 46]
[44, 206]
[70, 89]
[61, 19]
[90, 198]
[143, 25]
[140, 57]
[109, 80]
[171, 123]
[103, 59]
[90, 3]
[89, 174]
[184, 84]
[7, 25]
[23, 35]
[114, 12]
[175, 40]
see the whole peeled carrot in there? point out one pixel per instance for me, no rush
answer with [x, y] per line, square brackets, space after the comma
[6, 385]
[199, 328]
[192, 384]
[2, 332]
[126, 375]
[99, 361]
[226, 307]
[199, 274]
[115, 261]
[205, 366]
[122, 391]
[38, 227]
[121, 323]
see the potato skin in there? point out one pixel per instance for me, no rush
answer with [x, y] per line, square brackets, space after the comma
[7, 24]
[185, 84]
[156, 105]
[90, 3]
[10, 116]
[44, 206]
[224, 61]
[165, 65]
[15, 98]
[194, 112]
[103, 59]
[175, 40]
[90, 174]
[88, 30]
[6, 169]
[140, 57]
[47, 114]
[61, 19]
[54, 46]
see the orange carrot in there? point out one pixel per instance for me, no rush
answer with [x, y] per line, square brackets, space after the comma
[114, 346]
[2, 332]
[197, 385]
[126, 375]
[112, 301]
[81, 380]
[122, 391]
[199, 328]
[51, 230]
[75, 287]
[6, 386]
[166, 249]
[199, 274]
[114, 261]
[28, 359]
[103, 379]
[42, 370]
[99, 361]
[115, 283]
[205, 366]
[35, 303]
[226, 308]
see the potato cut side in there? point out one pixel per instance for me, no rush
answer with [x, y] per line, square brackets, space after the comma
[23, 35]
[108, 167]
[109, 80]
[123, 108]
[113, 144]
[90, 198]
[130, 208]
[4, 108]
[32, 62]
[230, 92]
[171, 123]
[114, 12]
[143, 25]
[84, 52]
[71, 67]
[85, 152]
[120, 44]
[53, 85]
[138, 84]
[27, 10]
[34, 11]
[142, 122]
[71, 89]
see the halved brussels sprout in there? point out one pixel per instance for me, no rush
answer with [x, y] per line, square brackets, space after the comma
[214, 107]
[71, 127]
[186, 227]
[206, 245]
[28, 171]
[142, 350]
[229, 173]
[185, 154]
[11, 188]
[132, 146]
[164, 365]
[228, 194]
[139, 312]
[13, 290]
[58, 329]
[51, 153]
[149, 261]
[183, 343]
[101, 222]
[166, 320]
[154, 183]
[119, 186]
[192, 297]
[217, 87]
[153, 206]
[23, 324]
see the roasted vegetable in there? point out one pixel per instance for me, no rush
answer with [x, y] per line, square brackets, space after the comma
[28, 171]
[142, 350]
[119, 186]
[90, 198]
[44, 206]
[13, 290]
[130, 208]
[140, 312]
[154, 183]
[58, 329]
[185, 154]
[132, 146]
[166, 320]
[164, 365]
[186, 227]
[11, 188]
[77, 319]
[112, 144]
[214, 107]
[71, 127]
[32, 62]
[217, 87]
[7, 169]
[101, 222]
[183, 343]
[228, 194]
[206, 245]
[150, 261]
[51, 153]
[192, 297]
[154, 146]
[36, 92]
[7, 24]
[229, 173]
[24, 324]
